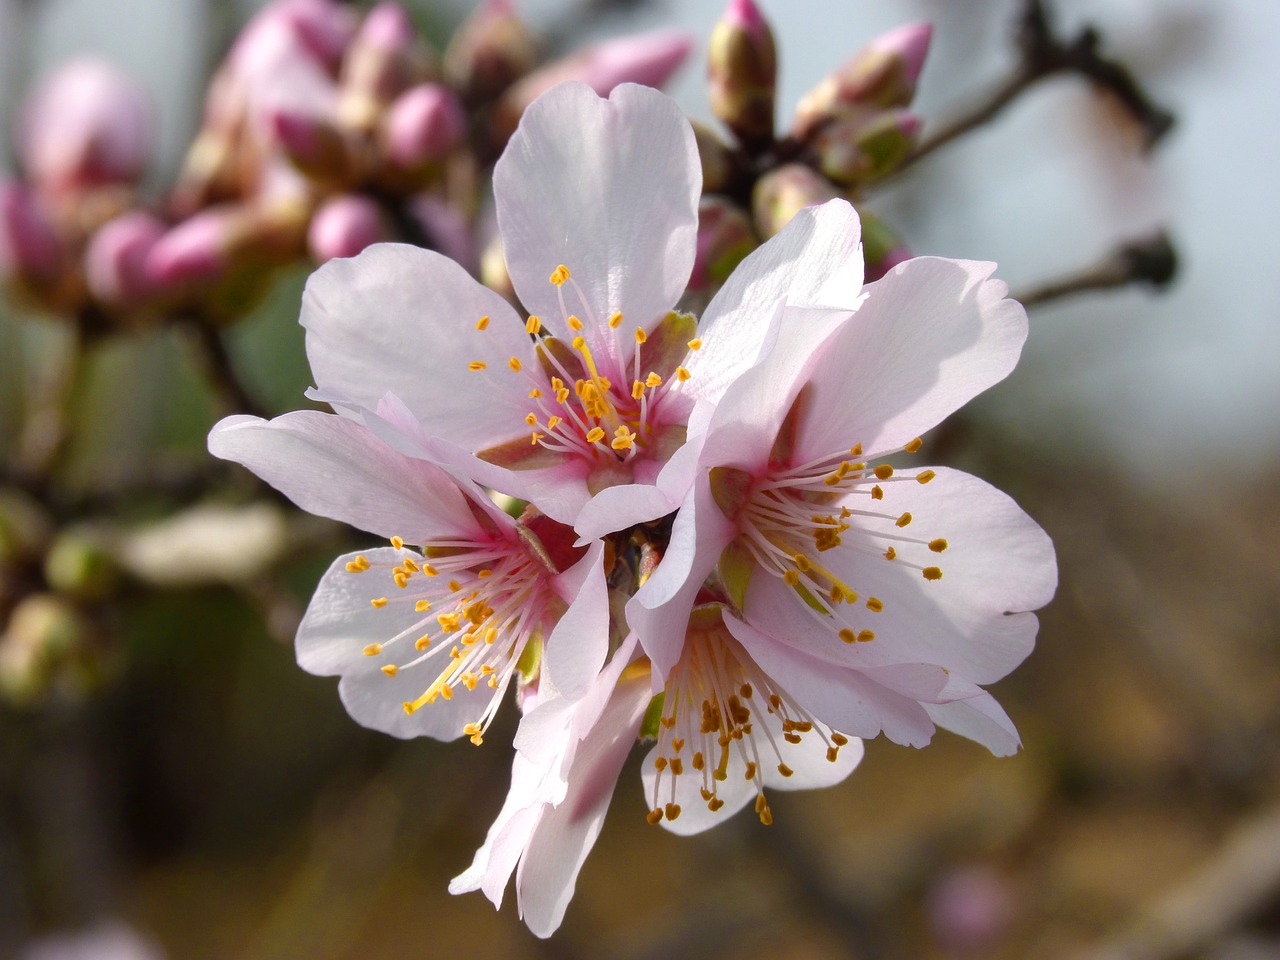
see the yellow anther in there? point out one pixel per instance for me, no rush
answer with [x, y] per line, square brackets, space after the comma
[515, 364]
[422, 642]
[535, 393]
[875, 604]
[490, 635]
[372, 649]
[379, 602]
[482, 323]
[792, 577]
[615, 319]
[890, 554]
[750, 772]
[660, 764]
[832, 754]
[672, 811]
[932, 573]
[476, 365]
[531, 419]
[401, 578]
[677, 766]
[574, 324]
[449, 622]
[562, 395]
[847, 635]
[802, 562]
[637, 390]
[429, 570]
[422, 606]
[695, 343]
[654, 816]
[699, 762]
[390, 669]
[682, 374]
[354, 566]
[883, 472]
[937, 546]
[446, 692]
[761, 803]
[623, 439]
[903, 520]
[595, 435]
[785, 770]
[877, 492]
[397, 543]
[914, 446]
[839, 739]
[641, 336]
[534, 438]
[866, 636]
[410, 566]
[855, 450]
[714, 804]
[653, 380]
[533, 325]
[924, 476]
[559, 275]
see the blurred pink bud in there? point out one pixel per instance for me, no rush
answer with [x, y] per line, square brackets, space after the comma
[194, 250]
[881, 75]
[386, 59]
[647, 58]
[725, 237]
[29, 247]
[343, 226]
[866, 146]
[970, 908]
[882, 247]
[388, 25]
[85, 125]
[115, 261]
[489, 52]
[320, 30]
[423, 126]
[312, 143]
[782, 193]
[742, 73]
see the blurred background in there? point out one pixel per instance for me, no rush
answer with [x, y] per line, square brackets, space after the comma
[192, 794]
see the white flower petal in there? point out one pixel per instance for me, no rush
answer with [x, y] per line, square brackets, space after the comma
[980, 719]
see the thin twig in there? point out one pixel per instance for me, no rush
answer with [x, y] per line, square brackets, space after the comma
[1150, 260]
[46, 427]
[1042, 55]
[211, 352]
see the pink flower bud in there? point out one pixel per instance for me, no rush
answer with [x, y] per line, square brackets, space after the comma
[882, 248]
[782, 193]
[29, 247]
[323, 27]
[314, 145]
[648, 58]
[742, 73]
[115, 261]
[865, 146]
[386, 58]
[86, 125]
[489, 52]
[195, 250]
[343, 226]
[423, 126]
[908, 45]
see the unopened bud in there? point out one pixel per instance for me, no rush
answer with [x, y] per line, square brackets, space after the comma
[882, 248]
[782, 193]
[343, 226]
[115, 261]
[423, 126]
[489, 52]
[79, 565]
[718, 166]
[742, 73]
[30, 250]
[323, 27]
[43, 633]
[865, 148]
[194, 250]
[313, 144]
[385, 59]
[725, 237]
[881, 75]
[648, 59]
[86, 125]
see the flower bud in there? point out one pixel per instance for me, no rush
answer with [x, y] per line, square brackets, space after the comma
[44, 632]
[861, 149]
[30, 250]
[323, 27]
[718, 166]
[343, 226]
[386, 58]
[194, 250]
[882, 248]
[79, 565]
[423, 126]
[883, 74]
[725, 237]
[782, 193]
[742, 73]
[649, 59]
[313, 144]
[489, 52]
[115, 261]
[87, 125]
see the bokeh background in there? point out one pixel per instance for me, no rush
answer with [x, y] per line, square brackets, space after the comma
[208, 800]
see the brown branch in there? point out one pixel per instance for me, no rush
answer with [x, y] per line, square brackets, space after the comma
[1042, 54]
[1151, 260]
[215, 362]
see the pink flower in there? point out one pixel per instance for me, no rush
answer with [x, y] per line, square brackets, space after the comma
[880, 598]
[425, 641]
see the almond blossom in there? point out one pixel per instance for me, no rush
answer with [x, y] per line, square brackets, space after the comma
[882, 598]
[426, 640]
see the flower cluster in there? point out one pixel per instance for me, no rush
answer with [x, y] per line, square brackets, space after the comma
[720, 541]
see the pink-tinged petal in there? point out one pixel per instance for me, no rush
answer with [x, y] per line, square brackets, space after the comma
[334, 467]
[843, 699]
[404, 320]
[980, 719]
[565, 834]
[338, 626]
[816, 260]
[608, 188]
[659, 611]
[577, 647]
[931, 335]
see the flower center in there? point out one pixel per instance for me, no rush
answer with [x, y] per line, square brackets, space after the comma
[481, 604]
[722, 716]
